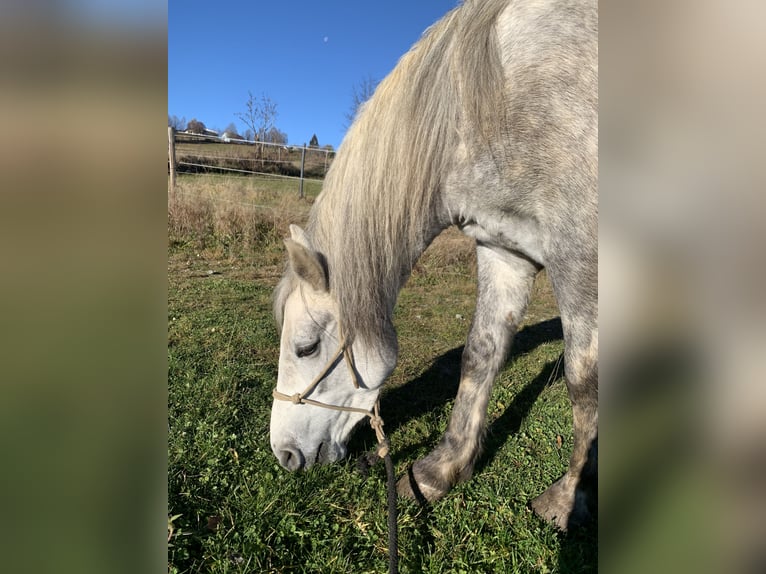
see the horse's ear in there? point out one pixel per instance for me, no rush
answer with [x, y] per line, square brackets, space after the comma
[299, 236]
[307, 264]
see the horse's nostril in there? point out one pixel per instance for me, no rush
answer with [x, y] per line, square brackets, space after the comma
[291, 459]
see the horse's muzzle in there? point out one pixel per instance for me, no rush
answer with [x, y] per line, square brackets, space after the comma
[290, 457]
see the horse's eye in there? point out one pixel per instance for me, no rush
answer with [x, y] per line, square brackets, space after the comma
[308, 350]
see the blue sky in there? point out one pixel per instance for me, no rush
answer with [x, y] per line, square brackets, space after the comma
[305, 55]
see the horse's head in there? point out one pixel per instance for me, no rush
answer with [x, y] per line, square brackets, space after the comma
[319, 370]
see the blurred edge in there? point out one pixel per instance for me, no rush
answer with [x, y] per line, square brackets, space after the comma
[82, 228]
[682, 284]
[83, 296]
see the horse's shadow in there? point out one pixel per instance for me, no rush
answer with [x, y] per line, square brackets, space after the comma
[434, 388]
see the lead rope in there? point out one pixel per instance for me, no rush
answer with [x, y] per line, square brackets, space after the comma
[393, 534]
[383, 450]
[376, 422]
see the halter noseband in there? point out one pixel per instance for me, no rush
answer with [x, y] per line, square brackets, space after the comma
[376, 422]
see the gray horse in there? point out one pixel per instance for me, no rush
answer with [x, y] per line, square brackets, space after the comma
[488, 123]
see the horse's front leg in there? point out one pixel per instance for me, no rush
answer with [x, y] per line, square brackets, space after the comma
[505, 281]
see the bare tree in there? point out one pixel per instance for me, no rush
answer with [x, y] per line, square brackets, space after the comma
[259, 115]
[195, 126]
[276, 136]
[360, 93]
[231, 131]
[178, 124]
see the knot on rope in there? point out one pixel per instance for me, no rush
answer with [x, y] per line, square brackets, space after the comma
[296, 398]
[376, 422]
[382, 449]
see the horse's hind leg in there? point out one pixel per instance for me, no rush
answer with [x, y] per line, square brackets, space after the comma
[566, 502]
[505, 281]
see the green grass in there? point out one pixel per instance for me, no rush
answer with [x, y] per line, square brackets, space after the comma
[233, 509]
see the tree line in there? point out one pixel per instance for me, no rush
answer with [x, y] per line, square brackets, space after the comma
[260, 114]
[259, 117]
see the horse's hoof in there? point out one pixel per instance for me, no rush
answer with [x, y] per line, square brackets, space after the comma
[563, 505]
[418, 486]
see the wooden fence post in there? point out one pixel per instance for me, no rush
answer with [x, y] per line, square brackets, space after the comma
[172, 156]
[303, 163]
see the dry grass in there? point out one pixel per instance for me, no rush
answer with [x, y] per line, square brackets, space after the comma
[232, 216]
[223, 220]
[450, 249]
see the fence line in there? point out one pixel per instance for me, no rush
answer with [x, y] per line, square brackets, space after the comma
[221, 139]
[231, 157]
[263, 173]
[177, 152]
[214, 174]
[172, 156]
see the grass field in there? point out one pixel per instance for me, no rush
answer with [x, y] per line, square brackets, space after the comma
[232, 508]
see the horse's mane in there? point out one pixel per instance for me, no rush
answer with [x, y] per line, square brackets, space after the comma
[376, 213]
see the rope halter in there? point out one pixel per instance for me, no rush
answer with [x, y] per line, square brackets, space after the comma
[376, 422]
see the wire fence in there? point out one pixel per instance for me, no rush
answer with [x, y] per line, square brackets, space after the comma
[199, 154]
